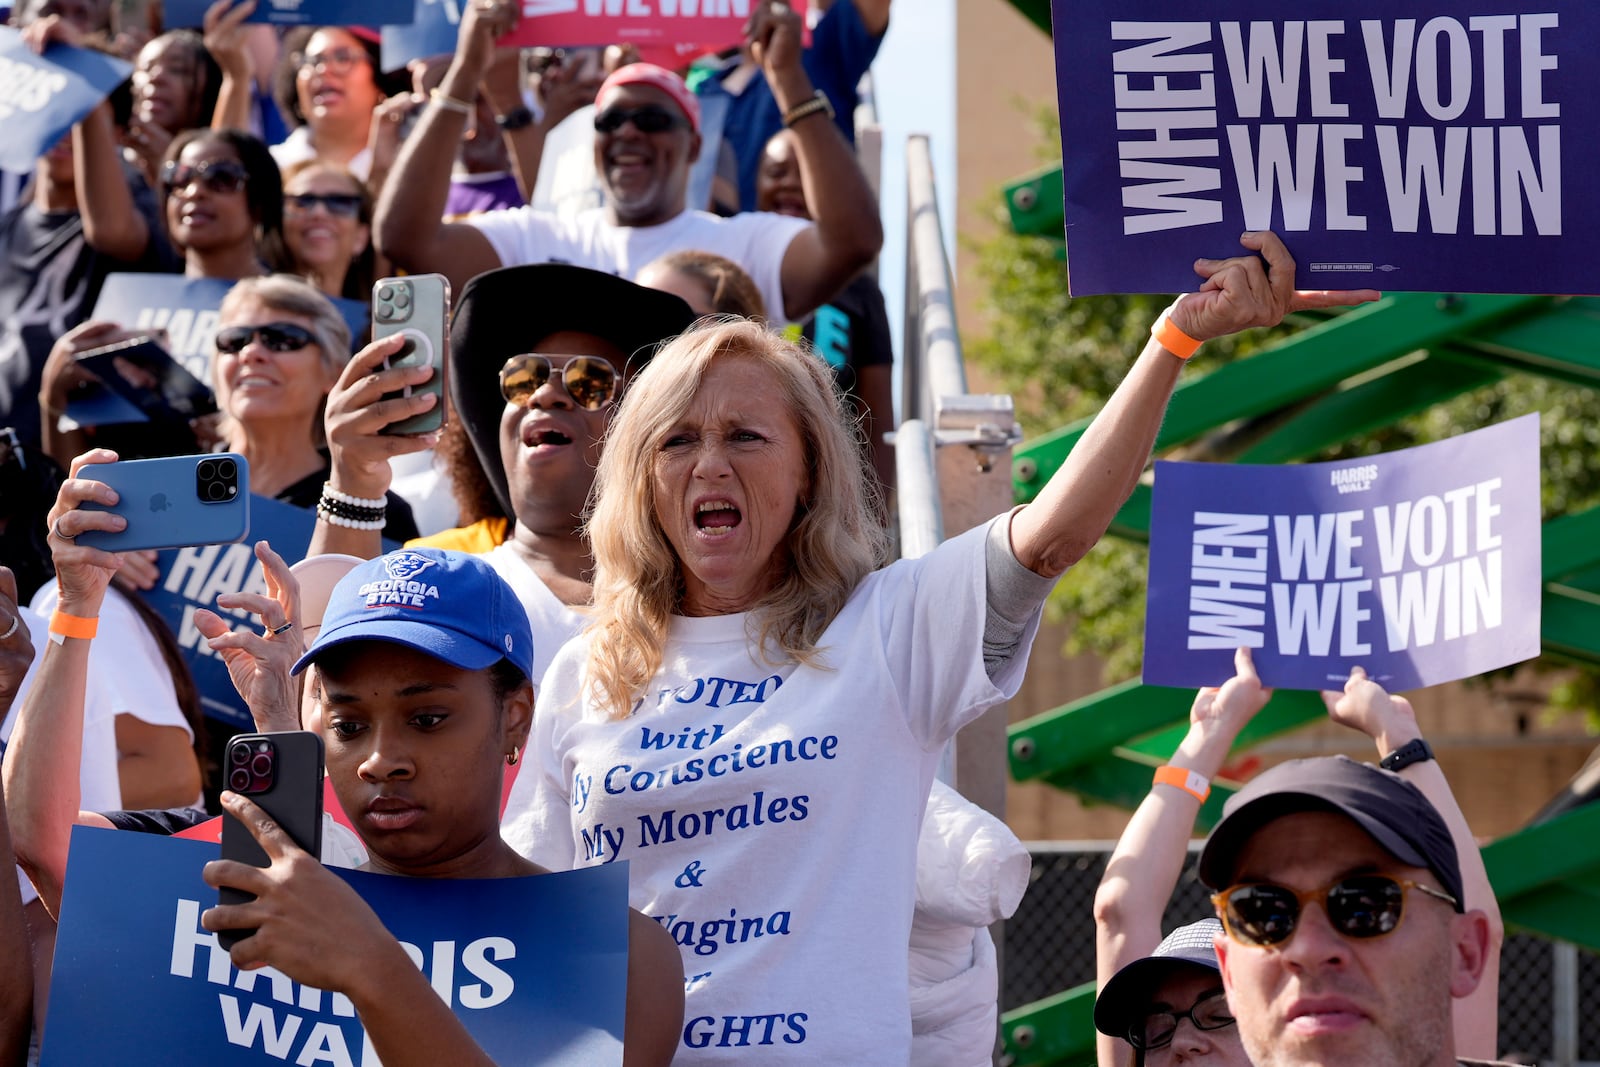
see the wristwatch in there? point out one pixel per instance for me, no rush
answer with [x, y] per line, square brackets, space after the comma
[1417, 751]
[516, 119]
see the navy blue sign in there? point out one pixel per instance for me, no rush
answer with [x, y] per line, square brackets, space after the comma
[536, 968]
[186, 308]
[194, 577]
[432, 31]
[1411, 145]
[42, 96]
[1421, 566]
[293, 12]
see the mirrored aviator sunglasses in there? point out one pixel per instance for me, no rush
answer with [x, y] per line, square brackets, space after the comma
[1360, 906]
[590, 381]
[223, 176]
[275, 337]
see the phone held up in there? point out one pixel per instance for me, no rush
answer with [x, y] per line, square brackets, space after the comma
[282, 774]
[417, 306]
[173, 502]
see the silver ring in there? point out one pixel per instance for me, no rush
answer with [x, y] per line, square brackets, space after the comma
[274, 631]
[55, 528]
[16, 621]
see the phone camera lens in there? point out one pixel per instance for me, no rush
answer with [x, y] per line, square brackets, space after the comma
[207, 470]
[239, 755]
[239, 780]
[216, 491]
[227, 469]
[261, 766]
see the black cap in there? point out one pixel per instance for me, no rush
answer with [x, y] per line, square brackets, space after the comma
[1126, 999]
[1390, 809]
[505, 312]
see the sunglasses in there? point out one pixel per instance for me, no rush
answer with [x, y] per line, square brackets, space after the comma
[222, 176]
[275, 337]
[589, 380]
[1157, 1029]
[1360, 906]
[339, 61]
[651, 118]
[341, 205]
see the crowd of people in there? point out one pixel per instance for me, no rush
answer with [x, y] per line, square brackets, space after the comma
[654, 521]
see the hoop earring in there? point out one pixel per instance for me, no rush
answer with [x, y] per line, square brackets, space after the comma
[516, 754]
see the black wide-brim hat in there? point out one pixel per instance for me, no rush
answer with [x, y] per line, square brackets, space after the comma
[505, 312]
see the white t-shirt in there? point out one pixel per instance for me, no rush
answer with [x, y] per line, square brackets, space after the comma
[553, 623]
[770, 814]
[297, 148]
[756, 240]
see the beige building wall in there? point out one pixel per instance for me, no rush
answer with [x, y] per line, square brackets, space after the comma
[1505, 760]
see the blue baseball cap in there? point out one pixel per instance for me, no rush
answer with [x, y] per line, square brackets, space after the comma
[450, 605]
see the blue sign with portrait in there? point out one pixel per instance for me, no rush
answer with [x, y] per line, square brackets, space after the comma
[1411, 145]
[42, 96]
[1421, 565]
[535, 968]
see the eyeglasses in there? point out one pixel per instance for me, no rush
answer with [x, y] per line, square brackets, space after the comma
[651, 118]
[11, 448]
[338, 61]
[222, 176]
[589, 380]
[275, 336]
[1157, 1029]
[1360, 906]
[342, 205]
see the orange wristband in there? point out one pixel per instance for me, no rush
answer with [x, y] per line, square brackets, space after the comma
[73, 625]
[1196, 785]
[1171, 338]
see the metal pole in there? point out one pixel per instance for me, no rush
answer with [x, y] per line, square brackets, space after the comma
[1564, 1003]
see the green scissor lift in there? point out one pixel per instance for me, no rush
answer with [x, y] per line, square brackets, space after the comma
[1346, 375]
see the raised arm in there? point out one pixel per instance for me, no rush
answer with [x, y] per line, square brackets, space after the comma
[41, 763]
[1143, 869]
[1364, 705]
[16, 976]
[112, 225]
[408, 226]
[1078, 503]
[847, 233]
[227, 39]
[563, 89]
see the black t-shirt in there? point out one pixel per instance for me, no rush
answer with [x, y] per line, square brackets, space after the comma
[851, 331]
[49, 281]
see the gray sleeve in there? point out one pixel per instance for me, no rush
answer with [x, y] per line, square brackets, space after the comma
[1012, 594]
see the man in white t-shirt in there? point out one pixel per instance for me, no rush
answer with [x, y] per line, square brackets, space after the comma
[647, 138]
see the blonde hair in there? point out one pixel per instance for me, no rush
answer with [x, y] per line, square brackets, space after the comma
[833, 544]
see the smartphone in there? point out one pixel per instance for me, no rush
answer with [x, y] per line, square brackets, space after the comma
[173, 502]
[282, 774]
[142, 372]
[417, 306]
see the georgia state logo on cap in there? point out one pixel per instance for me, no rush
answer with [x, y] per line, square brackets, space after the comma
[401, 589]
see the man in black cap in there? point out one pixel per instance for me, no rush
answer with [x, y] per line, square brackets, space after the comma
[539, 355]
[1340, 891]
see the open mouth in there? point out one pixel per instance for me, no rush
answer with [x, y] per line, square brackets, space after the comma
[547, 438]
[717, 517]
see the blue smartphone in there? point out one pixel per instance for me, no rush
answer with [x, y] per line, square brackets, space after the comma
[173, 502]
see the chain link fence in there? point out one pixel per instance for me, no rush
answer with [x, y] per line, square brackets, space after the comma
[1050, 948]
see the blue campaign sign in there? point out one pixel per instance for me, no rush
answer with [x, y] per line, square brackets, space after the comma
[432, 31]
[1393, 144]
[293, 12]
[1421, 566]
[536, 967]
[194, 577]
[187, 309]
[42, 96]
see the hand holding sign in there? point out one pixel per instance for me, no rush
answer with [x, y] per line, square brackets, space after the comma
[1226, 709]
[1253, 290]
[259, 663]
[1366, 706]
[225, 37]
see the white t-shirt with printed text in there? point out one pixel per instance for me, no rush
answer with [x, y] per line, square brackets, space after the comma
[552, 622]
[755, 240]
[770, 813]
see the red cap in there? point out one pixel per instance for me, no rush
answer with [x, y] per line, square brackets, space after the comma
[657, 77]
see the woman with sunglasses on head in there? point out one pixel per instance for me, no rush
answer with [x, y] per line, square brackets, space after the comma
[327, 220]
[328, 83]
[1161, 1003]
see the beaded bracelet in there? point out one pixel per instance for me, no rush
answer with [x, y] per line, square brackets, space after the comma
[330, 493]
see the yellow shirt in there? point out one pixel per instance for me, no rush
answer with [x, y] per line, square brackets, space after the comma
[481, 536]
